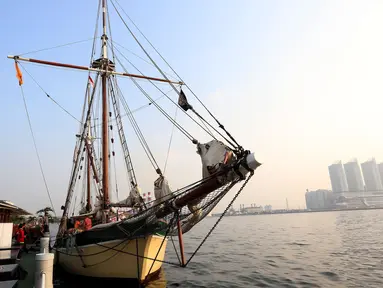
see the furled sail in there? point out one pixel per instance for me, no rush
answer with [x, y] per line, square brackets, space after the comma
[213, 154]
[162, 190]
[134, 198]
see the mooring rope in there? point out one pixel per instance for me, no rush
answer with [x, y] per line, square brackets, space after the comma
[220, 218]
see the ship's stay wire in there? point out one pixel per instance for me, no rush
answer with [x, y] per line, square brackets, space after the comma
[183, 130]
[95, 33]
[170, 141]
[58, 46]
[172, 85]
[135, 127]
[147, 54]
[136, 109]
[49, 96]
[138, 56]
[195, 95]
[220, 218]
[186, 133]
[37, 151]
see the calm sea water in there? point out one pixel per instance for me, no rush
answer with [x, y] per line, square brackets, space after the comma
[329, 249]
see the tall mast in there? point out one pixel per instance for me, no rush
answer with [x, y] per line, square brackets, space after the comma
[88, 205]
[105, 138]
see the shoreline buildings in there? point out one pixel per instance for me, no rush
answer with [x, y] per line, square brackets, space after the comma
[353, 186]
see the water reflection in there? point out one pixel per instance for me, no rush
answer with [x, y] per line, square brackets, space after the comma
[64, 280]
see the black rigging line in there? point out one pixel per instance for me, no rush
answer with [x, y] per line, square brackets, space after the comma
[50, 97]
[158, 68]
[187, 134]
[37, 151]
[136, 128]
[138, 56]
[172, 85]
[139, 108]
[220, 218]
[211, 114]
[79, 144]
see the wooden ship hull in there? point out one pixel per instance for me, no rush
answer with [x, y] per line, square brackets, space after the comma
[102, 260]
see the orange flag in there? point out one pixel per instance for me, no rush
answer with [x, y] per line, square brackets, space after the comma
[19, 75]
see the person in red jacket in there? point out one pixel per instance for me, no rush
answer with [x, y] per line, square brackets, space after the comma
[20, 238]
[87, 223]
[20, 235]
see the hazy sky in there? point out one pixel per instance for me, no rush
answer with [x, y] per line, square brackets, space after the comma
[297, 82]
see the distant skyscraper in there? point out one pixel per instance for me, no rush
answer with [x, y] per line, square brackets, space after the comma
[354, 176]
[319, 199]
[371, 176]
[380, 168]
[338, 178]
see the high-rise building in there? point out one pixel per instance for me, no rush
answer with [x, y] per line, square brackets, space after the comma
[338, 178]
[354, 176]
[319, 199]
[380, 168]
[371, 176]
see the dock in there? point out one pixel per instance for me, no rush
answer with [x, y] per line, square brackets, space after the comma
[11, 270]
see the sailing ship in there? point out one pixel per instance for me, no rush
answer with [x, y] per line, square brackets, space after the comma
[132, 243]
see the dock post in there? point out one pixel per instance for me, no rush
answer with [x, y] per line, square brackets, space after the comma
[44, 270]
[44, 244]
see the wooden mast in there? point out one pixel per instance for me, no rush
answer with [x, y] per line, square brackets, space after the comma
[105, 137]
[88, 179]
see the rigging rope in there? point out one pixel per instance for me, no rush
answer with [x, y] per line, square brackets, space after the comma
[211, 114]
[135, 126]
[58, 46]
[179, 127]
[138, 108]
[170, 141]
[95, 33]
[37, 151]
[46, 93]
[158, 68]
[203, 121]
[220, 218]
[110, 29]
[79, 144]
[138, 56]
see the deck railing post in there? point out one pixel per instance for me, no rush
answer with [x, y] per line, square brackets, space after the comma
[44, 244]
[44, 270]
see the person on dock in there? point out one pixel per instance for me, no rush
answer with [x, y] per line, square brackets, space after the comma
[87, 223]
[46, 222]
[76, 224]
[20, 236]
